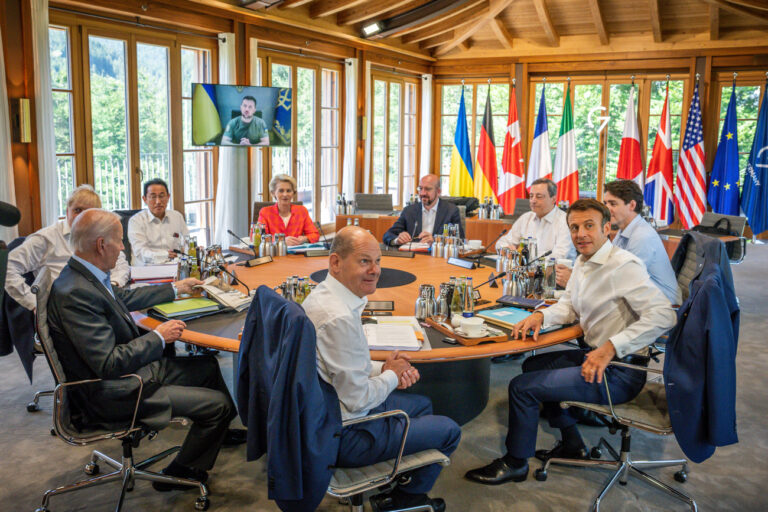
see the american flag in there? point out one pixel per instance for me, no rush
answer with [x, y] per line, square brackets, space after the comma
[690, 187]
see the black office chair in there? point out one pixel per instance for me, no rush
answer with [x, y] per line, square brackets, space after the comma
[258, 205]
[125, 216]
[129, 434]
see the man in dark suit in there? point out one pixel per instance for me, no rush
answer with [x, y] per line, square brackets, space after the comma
[95, 337]
[427, 218]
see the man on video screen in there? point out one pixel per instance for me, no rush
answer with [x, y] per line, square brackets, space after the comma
[246, 128]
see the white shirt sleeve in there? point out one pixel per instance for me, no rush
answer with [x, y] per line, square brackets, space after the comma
[137, 235]
[562, 312]
[28, 257]
[655, 313]
[121, 273]
[512, 238]
[357, 390]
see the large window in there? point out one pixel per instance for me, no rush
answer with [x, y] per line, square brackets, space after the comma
[199, 186]
[122, 114]
[313, 157]
[475, 97]
[394, 143]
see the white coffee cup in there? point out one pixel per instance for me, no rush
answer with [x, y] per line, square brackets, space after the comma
[472, 326]
[475, 244]
[565, 262]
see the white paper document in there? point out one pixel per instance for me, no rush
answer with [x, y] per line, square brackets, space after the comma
[149, 272]
[391, 337]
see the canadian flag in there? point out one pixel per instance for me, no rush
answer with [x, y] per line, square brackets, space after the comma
[630, 164]
[512, 179]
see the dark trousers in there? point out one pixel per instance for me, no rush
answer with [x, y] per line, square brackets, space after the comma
[551, 378]
[198, 392]
[379, 440]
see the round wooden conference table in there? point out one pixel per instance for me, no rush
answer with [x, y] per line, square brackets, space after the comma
[458, 385]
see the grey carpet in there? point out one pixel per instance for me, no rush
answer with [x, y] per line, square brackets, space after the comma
[733, 479]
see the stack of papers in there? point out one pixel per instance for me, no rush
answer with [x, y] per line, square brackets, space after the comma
[394, 333]
[161, 272]
[233, 299]
[302, 248]
[415, 247]
[186, 307]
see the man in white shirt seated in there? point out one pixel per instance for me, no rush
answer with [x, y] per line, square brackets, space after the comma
[545, 222]
[49, 248]
[366, 387]
[155, 233]
[620, 311]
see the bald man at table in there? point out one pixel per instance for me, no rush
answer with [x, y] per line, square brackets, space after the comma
[368, 387]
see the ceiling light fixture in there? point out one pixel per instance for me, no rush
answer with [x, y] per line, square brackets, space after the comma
[372, 28]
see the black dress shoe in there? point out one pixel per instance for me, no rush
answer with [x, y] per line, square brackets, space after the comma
[561, 451]
[235, 436]
[507, 357]
[178, 470]
[397, 500]
[497, 472]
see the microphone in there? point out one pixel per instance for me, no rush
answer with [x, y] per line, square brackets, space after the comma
[492, 278]
[415, 227]
[503, 232]
[542, 256]
[326, 243]
[255, 254]
[9, 215]
[233, 276]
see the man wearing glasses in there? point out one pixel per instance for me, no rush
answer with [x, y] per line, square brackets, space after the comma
[544, 222]
[156, 232]
[421, 221]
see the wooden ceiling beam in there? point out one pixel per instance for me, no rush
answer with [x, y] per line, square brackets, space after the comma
[546, 22]
[368, 11]
[447, 24]
[597, 18]
[655, 20]
[328, 7]
[501, 32]
[494, 9]
[754, 4]
[760, 16]
[434, 21]
[437, 40]
[293, 3]
[714, 23]
[465, 45]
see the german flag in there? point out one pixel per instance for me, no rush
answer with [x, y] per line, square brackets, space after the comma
[486, 177]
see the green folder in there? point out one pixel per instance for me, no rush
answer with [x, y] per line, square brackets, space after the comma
[186, 307]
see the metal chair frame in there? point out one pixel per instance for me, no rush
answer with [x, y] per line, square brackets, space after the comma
[623, 465]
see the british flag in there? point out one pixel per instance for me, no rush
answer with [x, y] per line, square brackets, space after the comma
[658, 181]
[690, 187]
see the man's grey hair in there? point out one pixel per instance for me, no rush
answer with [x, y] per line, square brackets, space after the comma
[91, 225]
[551, 186]
[84, 194]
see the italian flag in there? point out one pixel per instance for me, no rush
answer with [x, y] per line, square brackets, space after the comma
[566, 172]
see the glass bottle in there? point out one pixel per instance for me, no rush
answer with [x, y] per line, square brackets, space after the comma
[469, 299]
[457, 304]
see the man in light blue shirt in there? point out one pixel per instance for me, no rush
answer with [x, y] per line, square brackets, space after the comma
[624, 199]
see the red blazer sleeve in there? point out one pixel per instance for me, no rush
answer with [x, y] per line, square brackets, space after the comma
[309, 228]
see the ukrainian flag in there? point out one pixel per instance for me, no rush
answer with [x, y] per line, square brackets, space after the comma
[282, 125]
[461, 182]
[206, 124]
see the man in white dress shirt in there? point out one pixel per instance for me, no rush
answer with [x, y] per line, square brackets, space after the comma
[366, 387]
[156, 232]
[49, 248]
[620, 311]
[545, 222]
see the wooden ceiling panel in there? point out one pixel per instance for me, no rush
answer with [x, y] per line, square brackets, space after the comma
[571, 18]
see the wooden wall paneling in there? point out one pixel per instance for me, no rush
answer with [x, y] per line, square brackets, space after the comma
[176, 130]
[610, 65]
[398, 63]
[437, 94]
[269, 37]
[362, 89]
[132, 95]
[87, 123]
[758, 61]
[523, 84]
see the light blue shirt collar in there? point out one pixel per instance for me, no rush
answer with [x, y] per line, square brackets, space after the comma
[103, 277]
[623, 235]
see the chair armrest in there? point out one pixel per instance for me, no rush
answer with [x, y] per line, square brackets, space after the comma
[378, 416]
[57, 420]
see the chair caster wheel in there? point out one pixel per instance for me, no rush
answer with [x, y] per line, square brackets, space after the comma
[32, 407]
[681, 476]
[202, 503]
[91, 469]
[53, 432]
[541, 475]
[42, 509]
[595, 453]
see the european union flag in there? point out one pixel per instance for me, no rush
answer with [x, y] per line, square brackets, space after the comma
[723, 193]
[754, 197]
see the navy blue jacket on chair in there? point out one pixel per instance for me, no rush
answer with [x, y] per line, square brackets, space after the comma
[700, 359]
[17, 324]
[708, 250]
[410, 221]
[291, 414]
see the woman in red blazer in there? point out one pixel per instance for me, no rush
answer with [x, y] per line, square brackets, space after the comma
[284, 217]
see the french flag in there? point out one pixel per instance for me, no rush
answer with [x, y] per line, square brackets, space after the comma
[658, 182]
[540, 161]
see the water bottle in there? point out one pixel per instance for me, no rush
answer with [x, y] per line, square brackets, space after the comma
[281, 249]
[457, 303]
[425, 304]
[549, 279]
[469, 299]
[437, 247]
[357, 221]
[533, 250]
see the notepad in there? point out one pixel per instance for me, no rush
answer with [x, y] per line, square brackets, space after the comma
[302, 248]
[391, 337]
[154, 272]
[508, 317]
[186, 307]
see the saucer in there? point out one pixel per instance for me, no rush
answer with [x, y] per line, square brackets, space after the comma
[484, 333]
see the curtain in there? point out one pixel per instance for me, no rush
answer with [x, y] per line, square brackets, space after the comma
[350, 128]
[232, 191]
[46, 145]
[426, 126]
[368, 128]
[7, 191]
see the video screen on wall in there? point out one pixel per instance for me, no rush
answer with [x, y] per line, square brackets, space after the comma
[235, 115]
